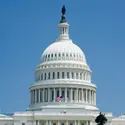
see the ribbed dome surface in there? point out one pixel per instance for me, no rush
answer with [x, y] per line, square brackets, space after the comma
[64, 49]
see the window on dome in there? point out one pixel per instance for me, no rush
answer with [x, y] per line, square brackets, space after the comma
[70, 55]
[55, 55]
[63, 75]
[51, 55]
[63, 54]
[59, 54]
[53, 75]
[76, 75]
[57, 93]
[80, 75]
[73, 95]
[66, 54]
[49, 75]
[72, 75]
[63, 30]
[52, 95]
[68, 75]
[62, 124]
[54, 123]
[23, 123]
[41, 97]
[57, 75]
[41, 76]
[45, 76]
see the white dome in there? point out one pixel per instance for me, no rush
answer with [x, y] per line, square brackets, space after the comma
[63, 50]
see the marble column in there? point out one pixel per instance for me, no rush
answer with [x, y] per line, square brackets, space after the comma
[30, 97]
[82, 96]
[47, 122]
[60, 92]
[36, 96]
[58, 122]
[95, 97]
[86, 96]
[67, 123]
[43, 92]
[90, 96]
[86, 122]
[48, 94]
[76, 95]
[65, 94]
[34, 122]
[78, 122]
[38, 122]
[39, 95]
[75, 122]
[71, 95]
[50, 123]
[54, 95]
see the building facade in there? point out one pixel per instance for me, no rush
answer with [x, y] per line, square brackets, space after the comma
[63, 93]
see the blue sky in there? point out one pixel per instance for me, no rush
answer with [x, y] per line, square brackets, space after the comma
[27, 27]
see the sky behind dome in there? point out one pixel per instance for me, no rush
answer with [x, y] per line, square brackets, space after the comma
[27, 27]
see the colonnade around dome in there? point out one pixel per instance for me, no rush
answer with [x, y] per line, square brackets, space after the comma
[79, 95]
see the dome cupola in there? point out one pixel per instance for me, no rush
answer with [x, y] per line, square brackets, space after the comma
[63, 48]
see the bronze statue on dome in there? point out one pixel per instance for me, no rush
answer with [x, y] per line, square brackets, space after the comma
[63, 18]
[101, 119]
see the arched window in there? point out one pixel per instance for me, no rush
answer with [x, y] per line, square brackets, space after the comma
[53, 75]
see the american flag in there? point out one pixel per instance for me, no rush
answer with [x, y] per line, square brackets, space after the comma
[59, 99]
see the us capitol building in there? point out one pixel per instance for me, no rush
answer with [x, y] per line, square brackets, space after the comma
[63, 93]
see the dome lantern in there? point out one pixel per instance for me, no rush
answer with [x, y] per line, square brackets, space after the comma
[63, 26]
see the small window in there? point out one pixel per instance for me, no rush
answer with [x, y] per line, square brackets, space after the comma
[23, 123]
[53, 75]
[72, 75]
[59, 55]
[45, 76]
[76, 75]
[67, 54]
[54, 123]
[80, 75]
[62, 124]
[63, 75]
[51, 55]
[55, 55]
[57, 75]
[63, 54]
[41, 76]
[49, 75]
[68, 75]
